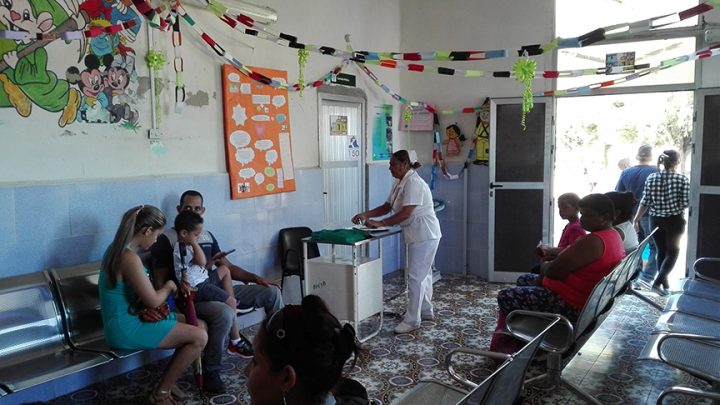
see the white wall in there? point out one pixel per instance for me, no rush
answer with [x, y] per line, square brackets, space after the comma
[36, 149]
[469, 25]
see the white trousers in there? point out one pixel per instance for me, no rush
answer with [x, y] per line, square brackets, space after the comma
[420, 288]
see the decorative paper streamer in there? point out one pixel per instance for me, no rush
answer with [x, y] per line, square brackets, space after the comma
[156, 61]
[711, 51]
[220, 51]
[178, 64]
[501, 74]
[91, 32]
[524, 71]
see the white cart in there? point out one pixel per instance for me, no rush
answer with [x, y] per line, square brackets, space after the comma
[350, 286]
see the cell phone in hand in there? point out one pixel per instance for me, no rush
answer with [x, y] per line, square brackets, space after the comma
[223, 254]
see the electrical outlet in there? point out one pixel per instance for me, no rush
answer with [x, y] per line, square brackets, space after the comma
[155, 133]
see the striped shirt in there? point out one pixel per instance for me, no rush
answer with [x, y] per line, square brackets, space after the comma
[666, 194]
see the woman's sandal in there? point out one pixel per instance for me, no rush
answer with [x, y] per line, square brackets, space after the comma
[162, 397]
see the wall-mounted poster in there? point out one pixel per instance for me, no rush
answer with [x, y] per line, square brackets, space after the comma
[422, 119]
[338, 125]
[382, 133]
[257, 134]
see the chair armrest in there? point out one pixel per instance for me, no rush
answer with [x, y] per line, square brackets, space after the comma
[525, 325]
[699, 355]
[705, 262]
[484, 353]
[693, 392]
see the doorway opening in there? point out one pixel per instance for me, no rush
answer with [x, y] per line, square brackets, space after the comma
[595, 134]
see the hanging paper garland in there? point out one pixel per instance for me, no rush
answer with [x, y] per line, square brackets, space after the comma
[156, 61]
[303, 55]
[524, 71]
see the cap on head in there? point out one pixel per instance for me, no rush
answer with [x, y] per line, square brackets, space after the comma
[644, 153]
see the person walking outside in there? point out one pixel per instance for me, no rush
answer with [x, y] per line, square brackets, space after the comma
[665, 197]
[633, 179]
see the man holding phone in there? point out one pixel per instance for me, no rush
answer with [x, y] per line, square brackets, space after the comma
[218, 316]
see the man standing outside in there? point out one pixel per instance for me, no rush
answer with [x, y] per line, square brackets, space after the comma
[218, 316]
[633, 179]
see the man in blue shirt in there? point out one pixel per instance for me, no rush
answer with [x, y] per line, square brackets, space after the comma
[633, 179]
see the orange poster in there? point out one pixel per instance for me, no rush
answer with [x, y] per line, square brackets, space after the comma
[257, 134]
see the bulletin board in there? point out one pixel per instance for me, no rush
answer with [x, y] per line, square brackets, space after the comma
[257, 134]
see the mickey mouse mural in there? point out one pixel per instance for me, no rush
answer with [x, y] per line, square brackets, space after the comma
[100, 92]
[99, 88]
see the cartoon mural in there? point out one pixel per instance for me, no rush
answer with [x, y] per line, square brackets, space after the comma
[94, 93]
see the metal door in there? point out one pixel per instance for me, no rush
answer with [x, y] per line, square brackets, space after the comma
[704, 221]
[520, 188]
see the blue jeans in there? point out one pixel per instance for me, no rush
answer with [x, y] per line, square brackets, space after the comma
[647, 273]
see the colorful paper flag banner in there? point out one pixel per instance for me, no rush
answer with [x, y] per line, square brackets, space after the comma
[258, 77]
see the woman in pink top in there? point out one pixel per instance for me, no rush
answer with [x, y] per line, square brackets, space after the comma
[564, 283]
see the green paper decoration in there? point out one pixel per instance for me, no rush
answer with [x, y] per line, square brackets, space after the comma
[524, 71]
[407, 115]
[156, 61]
[303, 55]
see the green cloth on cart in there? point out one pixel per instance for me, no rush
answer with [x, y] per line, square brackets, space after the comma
[345, 236]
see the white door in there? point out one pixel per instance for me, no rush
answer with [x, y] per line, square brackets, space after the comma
[704, 221]
[341, 157]
[520, 186]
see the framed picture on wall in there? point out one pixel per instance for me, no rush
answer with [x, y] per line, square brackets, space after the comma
[257, 134]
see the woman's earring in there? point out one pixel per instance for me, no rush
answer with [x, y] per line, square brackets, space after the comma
[284, 400]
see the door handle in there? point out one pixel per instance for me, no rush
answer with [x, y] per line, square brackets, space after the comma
[493, 185]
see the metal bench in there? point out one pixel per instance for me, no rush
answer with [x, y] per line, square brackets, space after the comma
[565, 339]
[33, 345]
[77, 291]
[686, 333]
[501, 387]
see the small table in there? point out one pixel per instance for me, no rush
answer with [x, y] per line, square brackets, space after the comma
[350, 286]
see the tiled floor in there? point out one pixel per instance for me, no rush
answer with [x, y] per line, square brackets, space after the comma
[607, 366]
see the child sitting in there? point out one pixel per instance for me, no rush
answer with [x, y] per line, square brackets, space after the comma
[569, 210]
[624, 203]
[191, 267]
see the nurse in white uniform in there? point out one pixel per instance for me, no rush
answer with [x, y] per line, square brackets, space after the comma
[411, 203]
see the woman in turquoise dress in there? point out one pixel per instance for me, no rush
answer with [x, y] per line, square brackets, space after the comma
[124, 281]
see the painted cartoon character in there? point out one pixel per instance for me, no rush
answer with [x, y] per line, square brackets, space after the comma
[24, 75]
[91, 82]
[116, 81]
[455, 140]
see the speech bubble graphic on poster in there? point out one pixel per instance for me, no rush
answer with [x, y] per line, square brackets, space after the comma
[246, 173]
[259, 178]
[234, 77]
[263, 144]
[278, 101]
[271, 156]
[240, 139]
[245, 155]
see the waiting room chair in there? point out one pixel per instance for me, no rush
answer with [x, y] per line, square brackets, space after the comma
[502, 387]
[291, 252]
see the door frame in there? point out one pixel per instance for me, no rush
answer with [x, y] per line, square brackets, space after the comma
[546, 185]
[330, 94]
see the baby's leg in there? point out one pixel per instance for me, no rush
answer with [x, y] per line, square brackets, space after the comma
[223, 274]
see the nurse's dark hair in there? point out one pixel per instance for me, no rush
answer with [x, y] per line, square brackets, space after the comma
[134, 221]
[600, 203]
[311, 340]
[404, 157]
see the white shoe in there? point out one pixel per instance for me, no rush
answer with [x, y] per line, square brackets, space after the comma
[404, 327]
[427, 316]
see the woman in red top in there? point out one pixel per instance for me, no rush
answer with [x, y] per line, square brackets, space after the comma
[564, 283]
